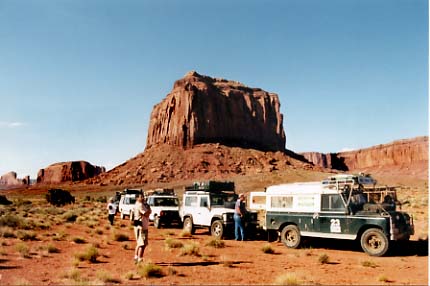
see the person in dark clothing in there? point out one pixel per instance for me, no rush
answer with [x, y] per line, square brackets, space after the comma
[239, 215]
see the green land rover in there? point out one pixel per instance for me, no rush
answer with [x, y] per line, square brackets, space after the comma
[340, 207]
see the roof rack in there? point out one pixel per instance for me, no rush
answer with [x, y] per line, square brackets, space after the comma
[161, 192]
[353, 181]
[211, 186]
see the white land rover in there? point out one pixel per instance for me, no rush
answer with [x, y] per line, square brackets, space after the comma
[164, 206]
[211, 205]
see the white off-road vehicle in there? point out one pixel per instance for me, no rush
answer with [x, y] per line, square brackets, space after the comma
[164, 205]
[211, 205]
[127, 202]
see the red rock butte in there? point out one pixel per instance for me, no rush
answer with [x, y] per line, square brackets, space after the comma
[201, 109]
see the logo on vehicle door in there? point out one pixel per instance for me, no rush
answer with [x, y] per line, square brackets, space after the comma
[335, 225]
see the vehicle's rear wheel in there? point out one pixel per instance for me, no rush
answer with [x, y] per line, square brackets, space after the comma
[122, 215]
[290, 236]
[188, 225]
[131, 215]
[217, 229]
[157, 221]
[374, 242]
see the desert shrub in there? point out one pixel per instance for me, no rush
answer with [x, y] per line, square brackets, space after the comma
[23, 249]
[216, 243]
[52, 248]
[12, 220]
[58, 197]
[26, 235]
[323, 259]
[99, 231]
[173, 243]
[191, 249]
[185, 233]
[78, 240]
[7, 232]
[4, 200]
[149, 270]
[102, 199]
[90, 255]
[70, 216]
[120, 237]
[383, 278]
[59, 236]
[287, 279]
[129, 275]
[368, 263]
[267, 248]
[105, 277]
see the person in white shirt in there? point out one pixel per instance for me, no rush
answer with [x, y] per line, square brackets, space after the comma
[111, 211]
[141, 224]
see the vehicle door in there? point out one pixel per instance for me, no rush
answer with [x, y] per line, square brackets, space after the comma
[203, 216]
[333, 219]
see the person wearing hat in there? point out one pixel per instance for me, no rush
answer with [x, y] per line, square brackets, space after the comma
[239, 215]
[111, 211]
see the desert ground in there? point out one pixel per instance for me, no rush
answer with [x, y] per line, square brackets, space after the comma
[75, 245]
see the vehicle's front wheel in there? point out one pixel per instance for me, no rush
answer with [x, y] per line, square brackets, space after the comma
[188, 225]
[122, 215]
[290, 236]
[374, 242]
[217, 229]
[157, 221]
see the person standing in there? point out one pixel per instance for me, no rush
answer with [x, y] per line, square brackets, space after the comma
[141, 224]
[239, 215]
[111, 211]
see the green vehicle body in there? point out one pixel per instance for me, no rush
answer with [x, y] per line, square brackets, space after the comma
[334, 211]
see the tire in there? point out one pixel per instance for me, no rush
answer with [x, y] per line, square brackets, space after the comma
[374, 242]
[217, 229]
[157, 223]
[290, 236]
[122, 215]
[188, 225]
[131, 215]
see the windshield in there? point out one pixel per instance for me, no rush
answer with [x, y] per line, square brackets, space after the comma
[223, 200]
[166, 202]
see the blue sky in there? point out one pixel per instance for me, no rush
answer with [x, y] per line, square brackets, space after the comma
[79, 78]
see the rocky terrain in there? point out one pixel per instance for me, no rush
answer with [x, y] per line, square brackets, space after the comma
[11, 179]
[201, 109]
[68, 172]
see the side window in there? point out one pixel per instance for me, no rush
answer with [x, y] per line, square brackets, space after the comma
[281, 202]
[332, 203]
[191, 201]
[204, 202]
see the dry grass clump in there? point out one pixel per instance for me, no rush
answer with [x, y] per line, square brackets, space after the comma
[287, 279]
[105, 277]
[23, 249]
[120, 236]
[26, 235]
[368, 263]
[149, 270]
[185, 233]
[91, 254]
[191, 249]
[173, 243]
[216, 243]
[267, 248]
[323, 258]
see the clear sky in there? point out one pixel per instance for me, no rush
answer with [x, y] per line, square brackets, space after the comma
[79, 78]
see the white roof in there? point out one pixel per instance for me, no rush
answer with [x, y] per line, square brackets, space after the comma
[300, 188]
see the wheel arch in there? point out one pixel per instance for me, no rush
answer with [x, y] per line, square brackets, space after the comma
[369, 226]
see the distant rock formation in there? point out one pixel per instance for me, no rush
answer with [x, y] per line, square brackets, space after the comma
[402, 153]
[201, 109]
[10, 179]
[68, 172]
